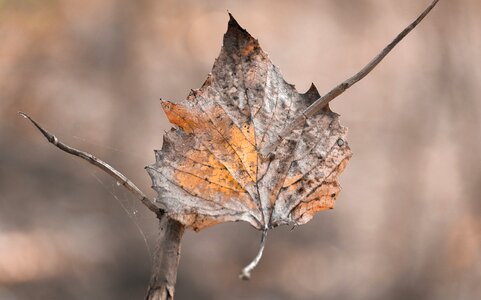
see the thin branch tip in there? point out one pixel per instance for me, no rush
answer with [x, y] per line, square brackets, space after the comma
[116, 175]
[320, 103]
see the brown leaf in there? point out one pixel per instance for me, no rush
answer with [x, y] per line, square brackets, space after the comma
[210, 169]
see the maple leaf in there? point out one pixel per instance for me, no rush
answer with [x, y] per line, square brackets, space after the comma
[211, 170]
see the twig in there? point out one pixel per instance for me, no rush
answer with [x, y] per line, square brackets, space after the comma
[166, 260]
[246, 272]
[320, 103]
[119, 177]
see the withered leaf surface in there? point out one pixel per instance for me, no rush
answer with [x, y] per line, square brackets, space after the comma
[210, 169]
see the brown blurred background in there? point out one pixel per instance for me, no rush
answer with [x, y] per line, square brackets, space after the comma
[407, 224]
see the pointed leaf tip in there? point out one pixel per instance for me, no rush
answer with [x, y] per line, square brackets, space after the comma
[237, 39]
[232, 21]
[312, 89]
[234, 26]
[312, 94]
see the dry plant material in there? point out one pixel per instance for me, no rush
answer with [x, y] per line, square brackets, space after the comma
[210, 169]
[247, 146]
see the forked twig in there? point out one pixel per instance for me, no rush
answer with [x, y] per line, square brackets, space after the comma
[119, 177]
[320, 103]
[246, 272]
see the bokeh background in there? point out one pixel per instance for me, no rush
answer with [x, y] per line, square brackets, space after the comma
[406, 226]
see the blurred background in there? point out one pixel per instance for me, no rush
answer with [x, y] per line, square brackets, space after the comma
[406, 226]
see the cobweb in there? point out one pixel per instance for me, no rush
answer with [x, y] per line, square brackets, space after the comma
[142, 218]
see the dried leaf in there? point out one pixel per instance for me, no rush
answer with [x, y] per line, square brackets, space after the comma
[210, 169]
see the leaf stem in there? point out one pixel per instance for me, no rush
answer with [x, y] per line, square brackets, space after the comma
[246, 272]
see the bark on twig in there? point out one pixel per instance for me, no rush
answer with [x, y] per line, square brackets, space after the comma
[166, 260]
[342, 87]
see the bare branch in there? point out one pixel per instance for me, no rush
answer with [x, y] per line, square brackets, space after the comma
[119, 177]
[320, 103]
[246, 272]
[166, 260]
